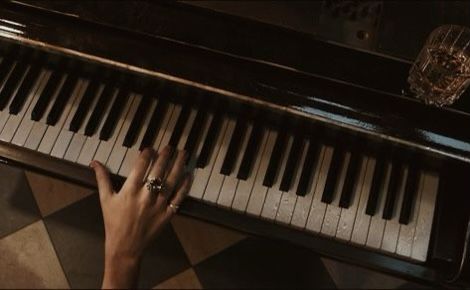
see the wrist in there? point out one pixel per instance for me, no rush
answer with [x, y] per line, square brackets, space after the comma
[120, 270]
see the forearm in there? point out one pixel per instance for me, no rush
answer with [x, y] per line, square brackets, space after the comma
[120, 272]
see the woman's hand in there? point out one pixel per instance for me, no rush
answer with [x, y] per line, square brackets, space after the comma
[134, 215]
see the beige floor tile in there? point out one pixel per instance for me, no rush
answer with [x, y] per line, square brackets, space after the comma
[28, 260]
[53, 194]
[201, 240]
[184, 280]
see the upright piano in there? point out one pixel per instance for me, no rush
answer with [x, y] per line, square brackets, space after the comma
[291, 135]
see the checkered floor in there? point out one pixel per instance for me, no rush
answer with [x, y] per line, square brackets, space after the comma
[51, 236]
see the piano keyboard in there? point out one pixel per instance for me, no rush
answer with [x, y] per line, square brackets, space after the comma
[241, 164]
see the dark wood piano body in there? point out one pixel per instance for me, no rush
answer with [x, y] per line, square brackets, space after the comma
[189, 51]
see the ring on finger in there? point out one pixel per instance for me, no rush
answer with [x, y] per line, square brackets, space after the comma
[155, 185]
[174, 207]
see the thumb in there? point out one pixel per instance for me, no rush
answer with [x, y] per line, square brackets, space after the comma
[105, 187]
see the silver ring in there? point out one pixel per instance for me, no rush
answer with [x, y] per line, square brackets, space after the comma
[154, 185]
[174, 207]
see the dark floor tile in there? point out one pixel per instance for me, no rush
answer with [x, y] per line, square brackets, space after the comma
[17, 205]
[78, 235]
[261, 263]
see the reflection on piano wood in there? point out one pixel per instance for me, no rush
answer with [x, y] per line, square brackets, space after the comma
[270, 168]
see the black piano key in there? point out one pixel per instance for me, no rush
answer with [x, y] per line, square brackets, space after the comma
[307, 172]
[195, 134]
[98, 111]
[5, 68]
[46, 95]
[25, 89]
[333, 174]
[378, 180]
[84, 105]
[352, 176]
[411, 191]
[62, 98]
[154, 124]
[275, 160]
[392, 192]
[292, 163]
[251, 151]
[12, 83]
[114, 114]
[137, 122]
[234, 147]
[209, 141]
[179, 126]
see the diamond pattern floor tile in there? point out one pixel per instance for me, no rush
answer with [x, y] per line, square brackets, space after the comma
[78, 236]
[28, 260]
[184, 280]
[261, 263]
[53, 194]
[201, 240]
[17, 205]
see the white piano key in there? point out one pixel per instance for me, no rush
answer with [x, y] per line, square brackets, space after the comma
[348, 215]
[423, 229]
[35, 136]
[244, 188]
[105, 147]
[229, 186]
[79, 138]
[39, 128]
[26, 125]
[392, 226]
[289, 198]
[317, 211]
[407, 232]
[65, 136]
[133, 152]
[191, 166]
[201, 175]
[258, 193]
[171, 125]
[333, 211]
[61, 144]
[117, 153]
[187, 129]
[88, 151]
[274, 194]
[92, 142]
[361, 226]
[53, 132]
[14, 121]
[75, 146]
[216, 179]
[157, 144]
[303, 204]
[377, 223]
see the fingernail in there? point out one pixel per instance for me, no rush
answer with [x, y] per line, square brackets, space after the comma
[92, 164]
[148, 149]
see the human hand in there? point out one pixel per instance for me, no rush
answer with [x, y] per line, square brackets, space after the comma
[134, 215]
